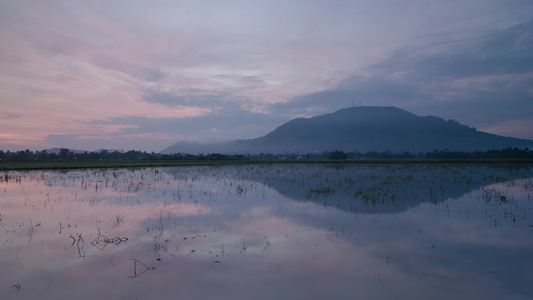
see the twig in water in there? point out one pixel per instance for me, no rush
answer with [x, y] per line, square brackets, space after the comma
[267, 243]
[118, 220]
[17, 286]
[101, 241]
[243, 249]
[158, 245]
[30, 231]
[80, 244]
[117, 240]
[145, 268]
[73, 242]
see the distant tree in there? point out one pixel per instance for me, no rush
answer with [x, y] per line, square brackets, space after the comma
[63, 153]
[103, 154]
[43, 155]
[337, 155]
[23, 155]
[216, 156]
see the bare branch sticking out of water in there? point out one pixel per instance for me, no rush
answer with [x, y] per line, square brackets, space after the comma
[267, 243]
[17, 286]
[30, 231]
[243, 249]
[118, 220]
[101, 241]
[158, 245]
[143, 268]
[80, 244]
[73, 242]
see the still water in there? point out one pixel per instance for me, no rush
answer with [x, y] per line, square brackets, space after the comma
[273, 231]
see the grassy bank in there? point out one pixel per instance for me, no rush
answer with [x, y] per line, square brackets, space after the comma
[74, 164]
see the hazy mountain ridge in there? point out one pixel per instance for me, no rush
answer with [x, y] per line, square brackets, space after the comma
[363, 129]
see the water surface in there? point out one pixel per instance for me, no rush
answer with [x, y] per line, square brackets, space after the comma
[284, 231]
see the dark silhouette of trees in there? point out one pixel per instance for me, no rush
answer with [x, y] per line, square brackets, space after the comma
[132, 155]
[63, 153]
[337, 155]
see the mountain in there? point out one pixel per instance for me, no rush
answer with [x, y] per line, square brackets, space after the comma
[363, 129]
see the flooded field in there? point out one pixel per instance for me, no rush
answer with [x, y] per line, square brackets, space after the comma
[273, 231]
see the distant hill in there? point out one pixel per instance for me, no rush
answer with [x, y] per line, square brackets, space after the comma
[363, 129]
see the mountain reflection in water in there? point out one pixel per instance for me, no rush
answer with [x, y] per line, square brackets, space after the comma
[284, 231]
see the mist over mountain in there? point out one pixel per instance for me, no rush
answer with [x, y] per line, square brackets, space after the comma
[362, 129]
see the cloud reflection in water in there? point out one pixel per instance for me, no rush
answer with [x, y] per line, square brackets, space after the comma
[254, 231]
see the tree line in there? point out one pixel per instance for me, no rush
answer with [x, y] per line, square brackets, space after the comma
[506, 153]
[66, 154]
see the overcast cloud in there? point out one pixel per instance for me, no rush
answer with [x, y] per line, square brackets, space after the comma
[144, 75]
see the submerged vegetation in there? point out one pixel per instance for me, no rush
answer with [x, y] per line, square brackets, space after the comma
[249, 230]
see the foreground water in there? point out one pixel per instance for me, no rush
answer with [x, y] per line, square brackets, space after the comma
[304, 231]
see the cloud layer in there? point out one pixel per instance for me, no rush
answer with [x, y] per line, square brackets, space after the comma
[144, 75]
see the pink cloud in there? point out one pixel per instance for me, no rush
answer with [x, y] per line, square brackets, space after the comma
[514, 128]
[64, 64]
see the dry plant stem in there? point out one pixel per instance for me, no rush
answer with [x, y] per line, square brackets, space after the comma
[71, 245]
[17, 286]
[145, 268]
[267, 243]
[243, 249]
[30, 231]
[80, 244]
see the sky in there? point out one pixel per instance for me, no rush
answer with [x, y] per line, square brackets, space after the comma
[143, 75]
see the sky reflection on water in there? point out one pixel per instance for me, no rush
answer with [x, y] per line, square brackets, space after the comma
[284, 231]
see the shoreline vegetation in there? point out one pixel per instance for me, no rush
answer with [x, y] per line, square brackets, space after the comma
[66, 159]
[57, 165]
